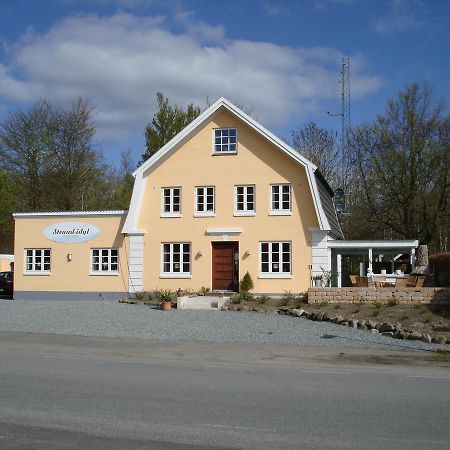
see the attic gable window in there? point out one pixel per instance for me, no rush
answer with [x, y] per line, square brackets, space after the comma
[225, 140]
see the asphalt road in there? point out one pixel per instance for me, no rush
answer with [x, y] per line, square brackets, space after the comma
[97, 393]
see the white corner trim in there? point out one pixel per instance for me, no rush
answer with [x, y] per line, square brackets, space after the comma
[321, 216]
[135, 204]
[222, 231]
[137, 233]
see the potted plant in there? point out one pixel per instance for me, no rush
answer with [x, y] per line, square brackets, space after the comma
[167, 297]
[328, 276]
[317, 280]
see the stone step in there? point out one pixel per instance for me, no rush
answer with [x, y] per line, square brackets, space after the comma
[201, 302]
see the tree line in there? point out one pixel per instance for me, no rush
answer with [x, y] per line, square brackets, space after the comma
[394, 171]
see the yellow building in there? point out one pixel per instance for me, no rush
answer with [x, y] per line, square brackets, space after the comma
[224, 197]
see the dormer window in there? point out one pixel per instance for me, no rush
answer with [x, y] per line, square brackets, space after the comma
[225, 140]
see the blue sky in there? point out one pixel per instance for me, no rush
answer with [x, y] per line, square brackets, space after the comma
[279, 58]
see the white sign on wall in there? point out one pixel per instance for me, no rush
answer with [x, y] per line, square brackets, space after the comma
[71, 232]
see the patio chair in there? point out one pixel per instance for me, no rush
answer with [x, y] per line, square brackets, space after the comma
[362, 282]
[420, 281]
[411, 281]
[380, 280]
[400, 282]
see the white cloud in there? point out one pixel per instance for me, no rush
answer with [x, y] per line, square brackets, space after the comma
[401, 16]
[119, 63]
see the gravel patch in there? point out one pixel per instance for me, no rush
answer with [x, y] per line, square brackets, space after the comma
[112, 319]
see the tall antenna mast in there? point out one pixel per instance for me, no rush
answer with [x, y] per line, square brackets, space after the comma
[345, 96]
[344, 114]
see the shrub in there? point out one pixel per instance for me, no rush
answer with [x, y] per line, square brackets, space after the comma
[235, 299]
[392, 302]
[140, 295]
[203, 290]
[246, 296]
[263, 299]
[246, 283]
[166, 295]
[441, 263]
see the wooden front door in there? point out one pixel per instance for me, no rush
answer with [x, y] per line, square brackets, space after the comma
[225, 266]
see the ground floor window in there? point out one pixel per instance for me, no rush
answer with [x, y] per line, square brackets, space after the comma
[104, 260]
[37, 260]
[275, 258]
[176, 259]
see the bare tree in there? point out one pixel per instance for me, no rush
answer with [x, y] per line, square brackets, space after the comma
[319, 146]
[73, 164]
[24, 139]
[403, 160]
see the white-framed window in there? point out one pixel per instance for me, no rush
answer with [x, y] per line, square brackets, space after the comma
[204, 201]
[280, 199]
[244, 200]
[225, 140]
[171, 202]
[104, 261]
[176, 260]
[275, 259]
[38, 260]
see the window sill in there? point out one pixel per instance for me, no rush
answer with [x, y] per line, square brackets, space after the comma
[223, 153]
[175, 275]
[244, 214]
[168, 215]
[280, 213]
[212, 214]
[275, 275]
[104, 274]
[37, 274]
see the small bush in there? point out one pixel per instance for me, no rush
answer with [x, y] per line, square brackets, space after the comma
[235, 299]
[263, 299]
[376, 309]
[246, 283]
[187, 292]
[246, 296]
[284, 301]
[166, 295]
[140, 295]
[392, 302]
[321, 304]
[204, 290]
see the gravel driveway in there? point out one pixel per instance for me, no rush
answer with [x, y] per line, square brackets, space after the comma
[110, 318]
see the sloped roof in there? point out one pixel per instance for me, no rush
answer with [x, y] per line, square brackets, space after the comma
[173, 145]
[326, 197]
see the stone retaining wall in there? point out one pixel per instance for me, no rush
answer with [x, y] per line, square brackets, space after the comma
[438, 296]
